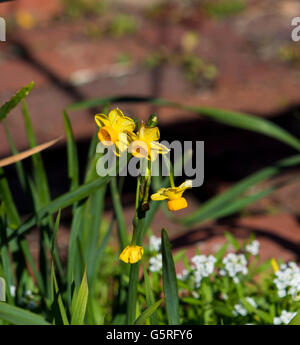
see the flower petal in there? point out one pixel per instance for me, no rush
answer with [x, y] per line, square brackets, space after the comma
[186, 184]
[159, 195]
[114, 116]
[102, 120]
[150, 134]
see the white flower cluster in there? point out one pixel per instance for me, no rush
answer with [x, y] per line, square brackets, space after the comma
[253, 247]
[287, 280]
[284, 318]
[154, 244]
[156, 263]
[234, 264]
[239, 309]
[203, 267]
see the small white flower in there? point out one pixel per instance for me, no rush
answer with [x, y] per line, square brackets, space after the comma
[235, 264]
[276, 321]
[28, 293]
[253, 247]
[236, 280]
[222, 272]
[284, 318]
[154, 244]
[287, 280]
[239, 309]
[195, 294]
[203, 267]
[156, 263]
[224, 296]
[251, 301]
[12, 290]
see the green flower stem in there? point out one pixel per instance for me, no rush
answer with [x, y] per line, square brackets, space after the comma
[137, 238]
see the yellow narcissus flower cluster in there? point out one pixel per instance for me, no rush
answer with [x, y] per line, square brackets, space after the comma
[118, 129]
[146, 143]
[174, 195]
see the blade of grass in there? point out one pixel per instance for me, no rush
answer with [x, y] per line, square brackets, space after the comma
[62, 202]
[58, 309]
[73, 169]
[122, 229]
[209, 209]
[79, 303]
[230, 118]
[150, 297]
[19, 316]
[169, 280]
[147, 313]
[15, 100]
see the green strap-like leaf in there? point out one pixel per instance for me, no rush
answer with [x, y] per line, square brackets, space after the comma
[18, 316]
[62, 201]
[2, 290]
[169, 280]
[150, 297]
[226, 117]
[295, 320]
[147, 313]
[73, 169]
[218, 203]
[15, 100]
[79, 303]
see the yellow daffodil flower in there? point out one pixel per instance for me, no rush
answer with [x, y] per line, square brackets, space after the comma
[145, 143]
[274, 265]
[115, 129]
[174, 194]
[132, 254]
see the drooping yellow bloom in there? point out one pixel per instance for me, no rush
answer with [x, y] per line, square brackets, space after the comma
[174, 194]
[115, 129]
[145, 143]
[274, 265]
[132, 254]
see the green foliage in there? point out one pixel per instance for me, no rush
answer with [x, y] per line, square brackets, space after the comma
[122, 24]
[79, 8]
[169, 281]
[224, 8]
[93, 286]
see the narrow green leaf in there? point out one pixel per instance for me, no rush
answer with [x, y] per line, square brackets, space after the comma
[15, 100]
[62, 202]
[14, 150]
[57, 303]
[73, 169]
[39, 172]
[80, 302]
[231, 239]
[2, 290]
[229, 118]
[147, 313]
[122, 228]
[169, 280]
[150, 297]
[219, 203]
[295, 320]
[18, 316]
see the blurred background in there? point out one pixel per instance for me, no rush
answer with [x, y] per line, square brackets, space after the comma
[231, 54]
